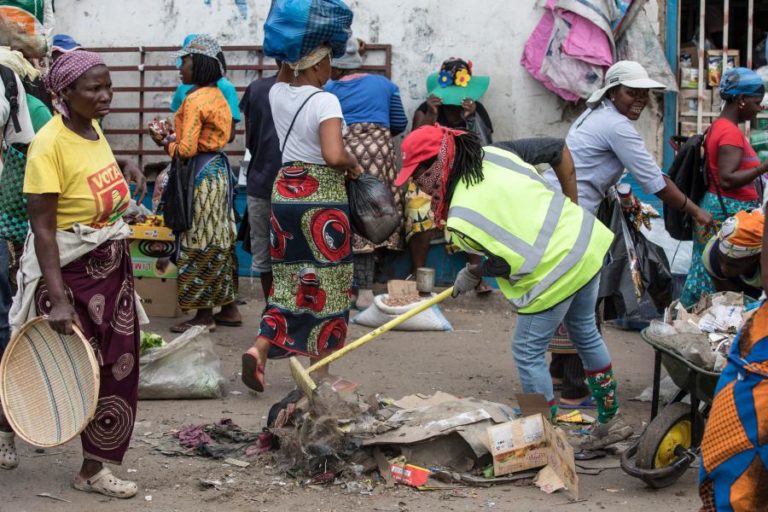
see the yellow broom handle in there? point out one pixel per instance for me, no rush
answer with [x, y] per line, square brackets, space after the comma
[381, 330]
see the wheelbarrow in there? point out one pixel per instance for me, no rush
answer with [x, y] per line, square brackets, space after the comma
[671, 442]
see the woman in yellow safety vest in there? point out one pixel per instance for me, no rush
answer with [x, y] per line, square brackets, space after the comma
[545, 251]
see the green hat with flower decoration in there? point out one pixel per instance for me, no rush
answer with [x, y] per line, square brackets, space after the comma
[455, 82]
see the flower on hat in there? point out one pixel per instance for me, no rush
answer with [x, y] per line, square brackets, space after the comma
[462, 78]
[446, 78]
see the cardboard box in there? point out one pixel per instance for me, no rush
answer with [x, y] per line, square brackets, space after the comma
[158, 296]
[532, 442]
[689, 55]
[408, 474]
[150, 259]
[689, 78]
[689, 101]
[714, 68]
[151, 232]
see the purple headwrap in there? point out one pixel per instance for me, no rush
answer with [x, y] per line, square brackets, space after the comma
[65, 71]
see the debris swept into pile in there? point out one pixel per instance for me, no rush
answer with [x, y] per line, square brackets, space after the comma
[704, 334]
[425, 442]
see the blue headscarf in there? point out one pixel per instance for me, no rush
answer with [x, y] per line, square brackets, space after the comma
[741, 82]
[187, 40]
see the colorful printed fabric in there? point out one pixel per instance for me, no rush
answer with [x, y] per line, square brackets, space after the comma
[100, 287]
[311, 248]
[561, 342]
[602, 386]
[205, 259]
[203, 123]
[373, 147]
[698, 281]
[734, 451]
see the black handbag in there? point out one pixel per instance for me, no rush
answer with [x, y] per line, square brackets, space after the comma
[179, 196]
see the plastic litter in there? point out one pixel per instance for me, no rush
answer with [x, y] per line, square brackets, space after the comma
[372, 208]
[187, 367]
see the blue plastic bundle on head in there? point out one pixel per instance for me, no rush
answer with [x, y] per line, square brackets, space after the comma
[296, 27]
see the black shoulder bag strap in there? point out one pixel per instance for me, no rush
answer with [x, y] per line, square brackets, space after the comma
[12, 95]
[295, 116]
[715, 182]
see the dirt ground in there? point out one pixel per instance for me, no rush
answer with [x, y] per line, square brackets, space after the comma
[474, 360]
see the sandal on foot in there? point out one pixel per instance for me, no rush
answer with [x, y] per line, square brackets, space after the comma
[185, 326]
[104, 482]
[253, 370]
[8, 457]
[226, 322]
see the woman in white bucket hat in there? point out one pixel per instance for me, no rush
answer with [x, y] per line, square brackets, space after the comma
[604, 143]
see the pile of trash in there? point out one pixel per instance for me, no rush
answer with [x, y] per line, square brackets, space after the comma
[703, 334]
[425, 442]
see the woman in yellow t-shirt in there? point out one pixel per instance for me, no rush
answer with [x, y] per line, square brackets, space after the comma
[75, 187]
[203, 127]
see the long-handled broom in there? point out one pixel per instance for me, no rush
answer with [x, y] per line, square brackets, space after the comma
[302, 375]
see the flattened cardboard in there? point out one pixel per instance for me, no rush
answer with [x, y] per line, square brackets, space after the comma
[532, 442]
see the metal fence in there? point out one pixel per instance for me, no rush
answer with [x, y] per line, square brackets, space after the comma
[145, 78]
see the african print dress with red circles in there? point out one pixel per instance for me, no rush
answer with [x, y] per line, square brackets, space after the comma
[310, 243]
[100, 287]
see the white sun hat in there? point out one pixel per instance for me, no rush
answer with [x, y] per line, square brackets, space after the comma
[625, 72]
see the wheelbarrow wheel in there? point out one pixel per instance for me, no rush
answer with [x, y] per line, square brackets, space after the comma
[658, 445]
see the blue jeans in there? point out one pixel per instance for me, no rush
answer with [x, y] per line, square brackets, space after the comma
[533, 333]
[5, 295]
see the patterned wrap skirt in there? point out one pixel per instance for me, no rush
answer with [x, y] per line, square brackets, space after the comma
[733, 475]
[205, 259]
[100, 287]
[310, 246]
[373, 147]
[698, 281]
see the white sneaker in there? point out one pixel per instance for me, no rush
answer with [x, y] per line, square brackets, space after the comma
[8, 457]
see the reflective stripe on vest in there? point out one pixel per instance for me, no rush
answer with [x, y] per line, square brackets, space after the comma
[532, 254]
[576, 253]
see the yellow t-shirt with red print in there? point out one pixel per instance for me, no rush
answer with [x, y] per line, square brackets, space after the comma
[82, 172]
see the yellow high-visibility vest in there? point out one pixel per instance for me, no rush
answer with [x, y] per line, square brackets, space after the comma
[553, 246]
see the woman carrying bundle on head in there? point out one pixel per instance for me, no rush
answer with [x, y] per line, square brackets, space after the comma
[76, 199]
[203, 125]
[308, 309]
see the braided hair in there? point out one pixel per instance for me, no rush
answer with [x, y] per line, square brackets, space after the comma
[205, 70]
[467, 162]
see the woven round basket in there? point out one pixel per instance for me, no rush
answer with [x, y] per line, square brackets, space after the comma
[49, 384]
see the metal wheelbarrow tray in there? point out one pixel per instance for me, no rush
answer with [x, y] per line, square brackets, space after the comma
[671, 442]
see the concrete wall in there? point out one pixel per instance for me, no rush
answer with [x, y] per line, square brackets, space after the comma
[492, 33]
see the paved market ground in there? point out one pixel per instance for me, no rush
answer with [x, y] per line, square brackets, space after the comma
[474, 360]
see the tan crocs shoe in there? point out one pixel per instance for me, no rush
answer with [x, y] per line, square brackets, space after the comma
[104, 482]
[8, 457]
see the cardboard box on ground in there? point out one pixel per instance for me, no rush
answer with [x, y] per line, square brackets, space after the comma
[532, 442]
[155, 281]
